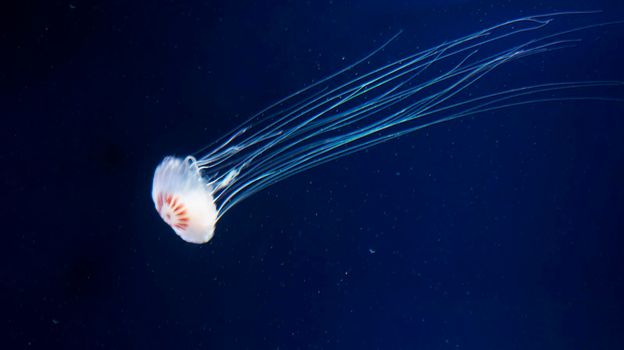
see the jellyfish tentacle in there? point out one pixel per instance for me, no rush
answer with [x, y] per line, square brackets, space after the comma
[354, 109]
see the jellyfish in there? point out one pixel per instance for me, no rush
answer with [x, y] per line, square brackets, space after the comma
[352, 110]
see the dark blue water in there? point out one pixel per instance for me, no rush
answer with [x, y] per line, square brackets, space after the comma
[503, 231]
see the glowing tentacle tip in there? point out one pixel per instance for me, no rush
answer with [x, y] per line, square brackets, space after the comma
[184, 200]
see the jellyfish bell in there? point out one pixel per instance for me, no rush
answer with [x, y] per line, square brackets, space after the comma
[184, 199]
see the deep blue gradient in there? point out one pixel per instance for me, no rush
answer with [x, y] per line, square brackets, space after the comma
[502, 231]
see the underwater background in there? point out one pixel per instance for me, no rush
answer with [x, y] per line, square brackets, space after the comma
[499, 231]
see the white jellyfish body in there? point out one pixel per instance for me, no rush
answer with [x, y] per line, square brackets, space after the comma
[354, 109]
[184, 200]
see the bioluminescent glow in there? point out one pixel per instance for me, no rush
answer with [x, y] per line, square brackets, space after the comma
[357, 108]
